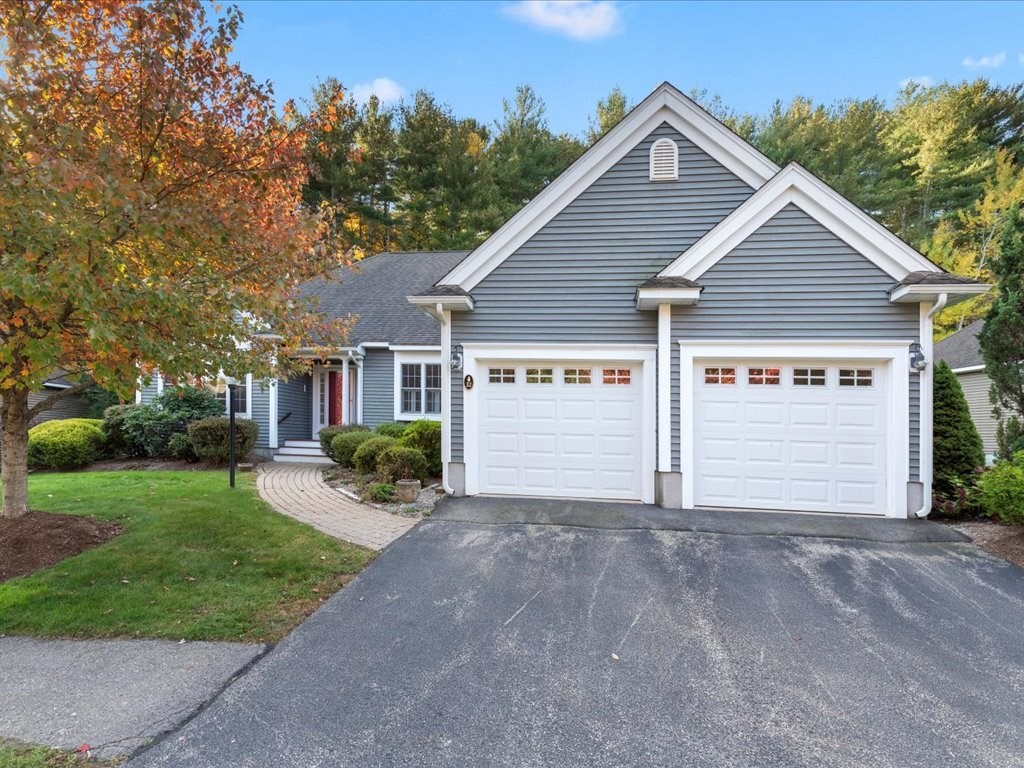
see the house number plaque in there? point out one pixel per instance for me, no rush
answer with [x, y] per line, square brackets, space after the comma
[468, 382]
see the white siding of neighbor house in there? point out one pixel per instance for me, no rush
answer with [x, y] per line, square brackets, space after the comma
[976, 388]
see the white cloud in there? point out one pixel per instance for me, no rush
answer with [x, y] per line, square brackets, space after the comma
[384, 88]
[578, 19]
[986, 62]
[925, 80]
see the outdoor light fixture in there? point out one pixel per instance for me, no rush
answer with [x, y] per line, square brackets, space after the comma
[456, 361]
[917, 361]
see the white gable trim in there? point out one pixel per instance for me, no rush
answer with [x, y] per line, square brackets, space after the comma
[823, 204]
[664, 105]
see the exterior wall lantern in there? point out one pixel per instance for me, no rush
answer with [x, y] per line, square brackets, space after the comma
[917, 361]
[456, 361]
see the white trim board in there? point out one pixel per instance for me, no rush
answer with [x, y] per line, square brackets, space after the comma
[965, 369]
[644, 354]
[894, 353]
[666, 104]
[413, 358]
[794, 185]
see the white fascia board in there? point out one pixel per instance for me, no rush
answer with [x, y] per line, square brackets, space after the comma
[664, 105]
[651, 298]
[913, 294]
[567, 352]
[795, 185]
[414, 347]
[453, 303]
[806, 349]
[969, 369]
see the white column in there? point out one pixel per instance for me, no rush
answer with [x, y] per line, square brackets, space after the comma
[345, 415]
[272, 413]
[446, 395]
[664, 388]
[159, 384]
[926, 404]
[359, 391]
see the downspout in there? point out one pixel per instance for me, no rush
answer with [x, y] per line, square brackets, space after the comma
[926, 502]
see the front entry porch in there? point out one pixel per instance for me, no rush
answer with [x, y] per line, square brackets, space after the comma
[337, 394]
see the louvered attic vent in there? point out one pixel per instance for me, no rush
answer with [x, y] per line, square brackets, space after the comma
[664, 160]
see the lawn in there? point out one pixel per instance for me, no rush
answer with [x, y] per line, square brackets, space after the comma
[197, 560]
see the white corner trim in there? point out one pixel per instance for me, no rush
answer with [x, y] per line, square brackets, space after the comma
[159, 383]
[346, 416]
[359, 390]
[446, 398]
[926, 405]
[665, 388]
[819, 201]
[653, 298]
[413, 357]
[930, 293]
[665, 105]
[965, 369]
[894, 354]
[644, 354]
[272, 413]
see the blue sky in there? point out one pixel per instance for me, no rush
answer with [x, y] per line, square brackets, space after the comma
[473, 54]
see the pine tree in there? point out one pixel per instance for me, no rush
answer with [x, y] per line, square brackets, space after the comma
[957, 445]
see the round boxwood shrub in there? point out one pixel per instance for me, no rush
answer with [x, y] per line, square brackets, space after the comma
[116, 442]
[425, 436]
[211, 438]
[189, 403]
[401, 463]
[64, 443]
[343, 446]
[1002, 490]
[393, 429]
[327, 434]
[367, 454]
[148, 430]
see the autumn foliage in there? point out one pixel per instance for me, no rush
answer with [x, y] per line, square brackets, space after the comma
[150, 202]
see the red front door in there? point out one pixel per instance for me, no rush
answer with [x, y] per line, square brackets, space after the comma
[334, 397]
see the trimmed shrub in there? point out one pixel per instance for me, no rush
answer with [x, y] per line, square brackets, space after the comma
[393, 429]
[327, 434]
[180, 447]
[401, 463]
[1002, 490]
[64, 443]
[211, 438]
[148, 430]
[343, 446]
[1009, 437]
[366, 455]
[116, 442]
[425, 436]
[958, 449]
[189, 403]
[382, 493]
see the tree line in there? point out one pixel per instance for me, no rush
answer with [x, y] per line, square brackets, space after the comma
[940, 166]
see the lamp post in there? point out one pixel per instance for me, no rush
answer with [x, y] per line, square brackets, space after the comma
[232, 387]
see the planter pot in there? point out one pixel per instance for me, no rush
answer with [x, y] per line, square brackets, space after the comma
[408, 490]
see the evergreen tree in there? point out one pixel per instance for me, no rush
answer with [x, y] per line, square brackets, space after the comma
[377, 149]
[957, 445]
[610, 110]
[422, 144]
[1002, 337]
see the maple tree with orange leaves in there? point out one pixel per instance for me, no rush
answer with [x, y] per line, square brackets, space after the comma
[150, 207]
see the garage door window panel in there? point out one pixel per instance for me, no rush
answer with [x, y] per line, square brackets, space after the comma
[617, 375]
[540, 376]
[501, 376]
[856, 377]
[809, 377]
[764, 376]
[720, 376]
[576, 376]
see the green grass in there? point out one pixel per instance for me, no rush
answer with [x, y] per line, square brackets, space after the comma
[14, 755]
[197, 560]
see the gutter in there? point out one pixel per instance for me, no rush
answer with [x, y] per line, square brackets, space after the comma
[926, 502]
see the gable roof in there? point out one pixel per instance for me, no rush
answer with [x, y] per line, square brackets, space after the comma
[375, 290]
[666, 104]
[961, 350]
[797, 186]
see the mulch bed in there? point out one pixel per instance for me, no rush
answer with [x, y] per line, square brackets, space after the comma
[37, 540]
[1005, 541]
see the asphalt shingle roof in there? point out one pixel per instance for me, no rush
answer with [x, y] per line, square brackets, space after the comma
[375, 291]
[961, 350]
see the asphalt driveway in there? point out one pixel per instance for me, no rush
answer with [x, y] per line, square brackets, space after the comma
[512, 644]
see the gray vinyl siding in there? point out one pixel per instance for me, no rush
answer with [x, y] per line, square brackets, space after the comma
[149, 392]
[295, 401]
[259, 411]
[794, 279]
[976, 388]
[378, 386]
[70, 407]
[575, 280]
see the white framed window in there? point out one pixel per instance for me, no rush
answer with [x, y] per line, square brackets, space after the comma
[720, 375]
[856, 377]
[417, 386]
[664, 160]
[617, 375]
[540, 376]
[577, 376]
[501, 375]
[809, 377]
[764, 376]
[241, 401]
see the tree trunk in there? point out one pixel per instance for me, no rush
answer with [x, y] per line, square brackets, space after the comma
[14, 447]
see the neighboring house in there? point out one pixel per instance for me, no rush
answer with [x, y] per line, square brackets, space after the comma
[70, 407]
[389, 370]
[677, 320]
[962, 353]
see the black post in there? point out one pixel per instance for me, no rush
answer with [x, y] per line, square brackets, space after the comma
[231, 432]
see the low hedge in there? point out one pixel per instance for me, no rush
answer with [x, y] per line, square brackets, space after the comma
[401, 463]
[367, 454]
[344, 445]
[1002, 490]
[393, 429]
[425, 436]
[327, 434]
[211, 438]
[64, 443]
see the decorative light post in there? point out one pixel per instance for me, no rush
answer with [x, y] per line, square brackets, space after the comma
[232, 386]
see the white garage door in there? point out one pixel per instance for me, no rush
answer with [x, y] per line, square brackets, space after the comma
[791, 436]
[560, 429]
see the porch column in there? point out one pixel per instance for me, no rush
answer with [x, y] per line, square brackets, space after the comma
[346, 417]
[664, 388]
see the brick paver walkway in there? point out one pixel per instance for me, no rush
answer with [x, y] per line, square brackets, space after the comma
[298, 490]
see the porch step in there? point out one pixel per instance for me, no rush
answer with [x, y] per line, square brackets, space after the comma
[302, 444]
[301, 452]
[294, 450]
[301, 459]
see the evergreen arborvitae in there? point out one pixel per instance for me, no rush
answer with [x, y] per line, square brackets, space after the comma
[958, 450]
